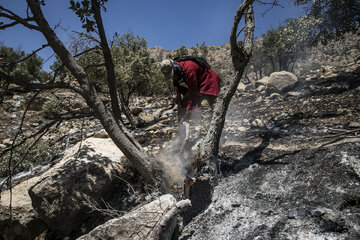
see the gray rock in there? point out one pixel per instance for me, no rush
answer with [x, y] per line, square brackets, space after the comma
[7, 142]
[281, 81]
[354, 125]
[274, 96]
[257, 123]
[156, 220]
[237, 224]
[264, 82]
[329, 220]
[241, 87]
[260, 88]
[101, 134]
[294, 94]
[61, 196]
[146, 117]
[24, 222]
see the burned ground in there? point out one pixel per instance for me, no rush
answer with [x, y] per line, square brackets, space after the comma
[289, 168]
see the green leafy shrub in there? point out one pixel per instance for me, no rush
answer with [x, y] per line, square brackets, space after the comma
[42, 152]
[51, 108]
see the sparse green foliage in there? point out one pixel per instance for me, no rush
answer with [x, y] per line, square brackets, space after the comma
[194, 51]
[59, 68]
[11, 63]
[200, 50]
[42, 152]
[204, 51]
[278, 49]
[136, 72]
[51, 108]
[18, 64]
[334, 18]
[93, 63]
[181, 52]
[85, 12]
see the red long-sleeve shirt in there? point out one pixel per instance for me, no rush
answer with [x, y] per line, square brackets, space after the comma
[198, 80]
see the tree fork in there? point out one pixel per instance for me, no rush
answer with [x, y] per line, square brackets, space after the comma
[137, 157]
[241, 54]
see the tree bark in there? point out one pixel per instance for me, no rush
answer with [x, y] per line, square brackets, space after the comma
[137, 157]
[241, 53]
[109, 64]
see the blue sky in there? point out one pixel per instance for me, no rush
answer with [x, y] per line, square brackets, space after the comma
[168, 24]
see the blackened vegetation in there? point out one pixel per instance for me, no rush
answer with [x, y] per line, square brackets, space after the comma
[295, 176]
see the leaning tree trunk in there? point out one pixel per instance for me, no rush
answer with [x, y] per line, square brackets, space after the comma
[109, 64]
[241, 53]
[135, 155]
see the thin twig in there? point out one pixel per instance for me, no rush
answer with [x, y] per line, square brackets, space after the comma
[12, 16]
[242, 29]
[273, 4]
[87, 36]
[28, 56]
[8, 179]
[125, 182]
[12, 149]
[107, 211]
[44, 128]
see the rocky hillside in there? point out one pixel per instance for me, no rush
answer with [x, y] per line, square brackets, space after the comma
[336, 53]
[289, 166]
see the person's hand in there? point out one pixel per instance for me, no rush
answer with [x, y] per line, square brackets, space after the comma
[186, 117]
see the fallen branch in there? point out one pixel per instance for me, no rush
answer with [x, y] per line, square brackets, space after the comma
[344, 132]
[107, 211]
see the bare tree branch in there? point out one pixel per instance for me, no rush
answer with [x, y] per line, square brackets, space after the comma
[88, 36]
[28, 56]
[36, 86]
[273, 4]
[17, 19]
[12, 149]
[4, 26]
[76, 55]
[86, 51]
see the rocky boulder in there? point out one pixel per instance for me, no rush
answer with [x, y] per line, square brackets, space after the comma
[85, 174]
[280, 82]
[24, 222]
[262, 82]
[156, 220]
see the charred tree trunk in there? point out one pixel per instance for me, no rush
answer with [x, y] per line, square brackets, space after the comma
[241, 53]
[135, 155]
